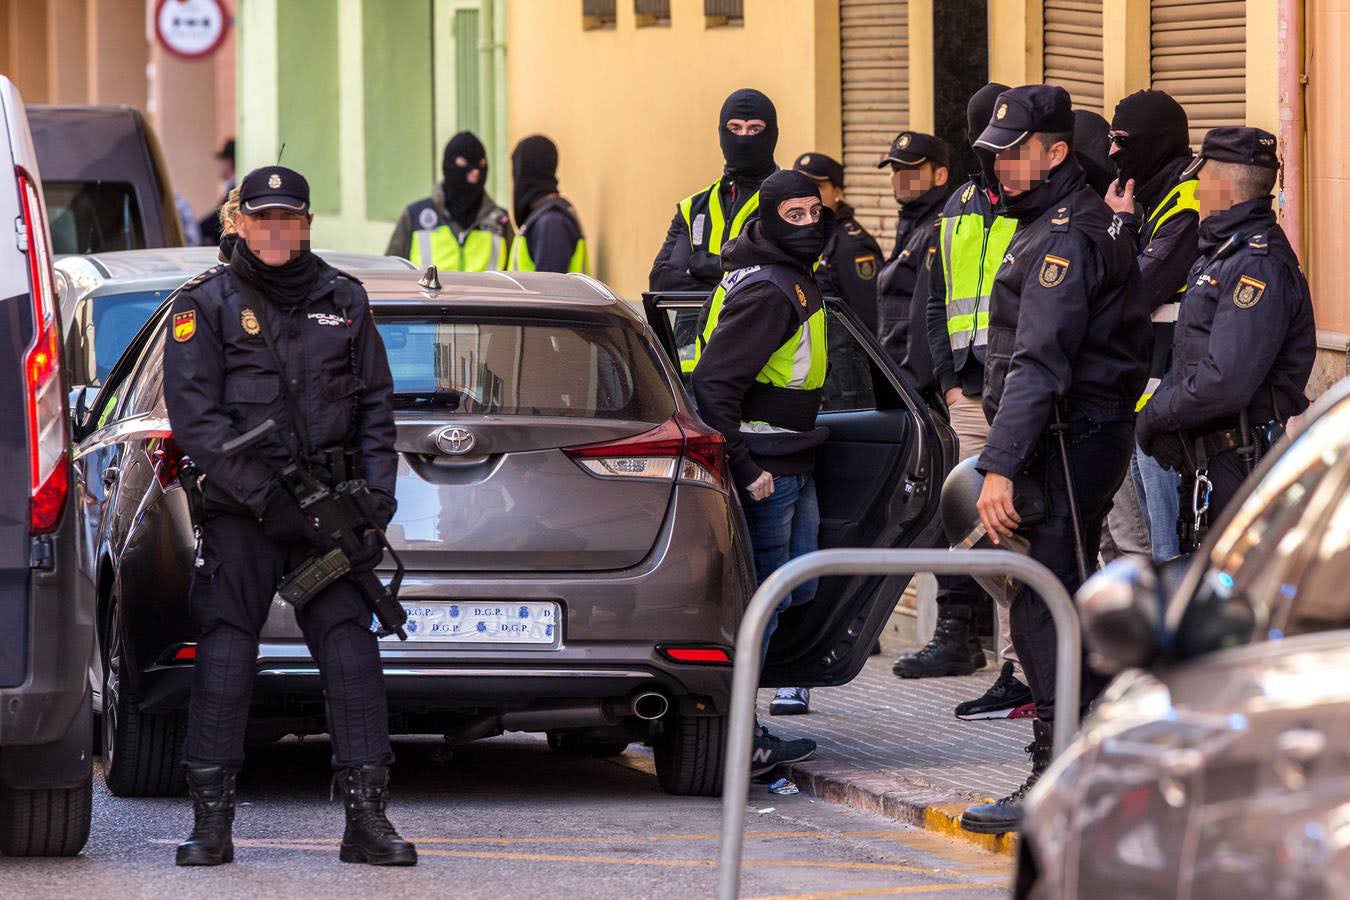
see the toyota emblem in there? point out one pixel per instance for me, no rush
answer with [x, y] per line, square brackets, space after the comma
[455, 441]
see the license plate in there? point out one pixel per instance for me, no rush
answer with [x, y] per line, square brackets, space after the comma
[533, 623]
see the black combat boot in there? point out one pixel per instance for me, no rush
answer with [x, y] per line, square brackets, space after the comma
[369, 837]
[1006, 814]
[212, 792]
[952, 651]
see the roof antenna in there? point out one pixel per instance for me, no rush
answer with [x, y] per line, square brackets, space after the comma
[429, 279]
[281, 151]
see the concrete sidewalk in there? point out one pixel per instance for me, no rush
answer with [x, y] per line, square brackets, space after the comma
[892, 746]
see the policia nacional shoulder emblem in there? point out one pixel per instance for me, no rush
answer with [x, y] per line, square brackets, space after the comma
[249, 322]
[1248, 292]
[1053, 271]
[801, 295]
[866, 266]
[184, 326]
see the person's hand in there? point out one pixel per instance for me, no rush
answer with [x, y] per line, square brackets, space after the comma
[1120, 199]
[952, 397]
[372, 551]
[996, 508]
[761, 487]
[285, 522]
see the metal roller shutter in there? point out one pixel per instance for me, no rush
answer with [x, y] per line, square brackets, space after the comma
[874, 52]
[1073, 50]
[1199, 56]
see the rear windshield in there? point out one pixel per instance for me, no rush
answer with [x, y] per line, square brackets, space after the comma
[533, 368]
[93, 216]
[117, 318]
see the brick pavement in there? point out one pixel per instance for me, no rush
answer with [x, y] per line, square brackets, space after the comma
[892, 746]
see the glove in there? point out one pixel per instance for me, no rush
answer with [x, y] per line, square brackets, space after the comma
[372, 551]
[384, 509]
[285, 522]
[1167, 450]
[705, 266]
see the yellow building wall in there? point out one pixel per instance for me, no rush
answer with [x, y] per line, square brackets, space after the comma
[634, 110]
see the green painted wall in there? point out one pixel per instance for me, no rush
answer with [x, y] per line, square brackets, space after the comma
[401, 162]
[307, 99]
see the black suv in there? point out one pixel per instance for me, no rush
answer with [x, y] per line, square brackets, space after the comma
[46, 613]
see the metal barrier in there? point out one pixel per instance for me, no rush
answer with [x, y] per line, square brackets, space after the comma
[745, 677]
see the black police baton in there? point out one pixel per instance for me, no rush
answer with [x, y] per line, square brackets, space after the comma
[344, 514]
[1058, 429]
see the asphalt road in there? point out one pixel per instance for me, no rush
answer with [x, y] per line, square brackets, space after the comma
[505, 818]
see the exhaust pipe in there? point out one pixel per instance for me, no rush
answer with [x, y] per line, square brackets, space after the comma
[650, 706]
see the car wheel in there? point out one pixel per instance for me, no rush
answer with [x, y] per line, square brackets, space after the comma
[141, 751]
[691, 754]
[47, 821]
[569, 744]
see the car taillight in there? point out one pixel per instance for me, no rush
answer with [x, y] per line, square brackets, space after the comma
[679, 446]
[48, 435]
[168, 459]
[705, 454]
[716, 655]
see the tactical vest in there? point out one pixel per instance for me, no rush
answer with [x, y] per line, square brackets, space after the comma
[1178, 200]
[972, 242]
[520, 259]
[480, 251]
[799, 364]
[707, 224]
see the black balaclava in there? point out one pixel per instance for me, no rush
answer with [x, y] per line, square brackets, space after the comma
[1092, 146]
[748, 157]
[979, 110]
[1158, 133]
[802, 242]
[463, 199]
[534, 174]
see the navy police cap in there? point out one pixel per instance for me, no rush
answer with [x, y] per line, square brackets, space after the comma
[1023, 111]
[273, 187]
[1237, 144]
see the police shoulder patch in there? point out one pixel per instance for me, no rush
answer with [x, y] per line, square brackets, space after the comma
[202, 276]
[184, 325]
[968, 193]
[732, 278]
[801, 295]
[928, 260]
[866, 266]
[1053, 270]
[1248, 292]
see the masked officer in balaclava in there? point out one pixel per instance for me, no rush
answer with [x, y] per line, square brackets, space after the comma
[1154, 202]
[550, 238]
[689, 259]
[758, 381]
[458, 228]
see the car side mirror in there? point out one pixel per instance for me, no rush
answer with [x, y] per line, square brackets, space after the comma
[1120, 609]
[79, 408]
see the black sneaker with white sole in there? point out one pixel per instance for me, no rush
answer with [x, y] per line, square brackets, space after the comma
[1000, 701]
[790, 701]
[771, 751]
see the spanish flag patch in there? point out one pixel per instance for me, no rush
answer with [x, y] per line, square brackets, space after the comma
[184, 325]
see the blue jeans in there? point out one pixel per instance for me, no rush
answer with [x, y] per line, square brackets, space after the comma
[1157, 490]
[783, 526]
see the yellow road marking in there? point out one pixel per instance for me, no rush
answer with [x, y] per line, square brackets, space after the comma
[875, 892]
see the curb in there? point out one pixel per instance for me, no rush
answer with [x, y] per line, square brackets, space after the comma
[921, 805]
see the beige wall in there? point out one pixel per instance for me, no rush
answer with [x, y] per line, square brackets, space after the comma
[634, 111]
[1327, 176]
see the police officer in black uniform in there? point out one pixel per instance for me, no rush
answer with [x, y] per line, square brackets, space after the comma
[275, 330]
[848, 265]
[1245, 339]
[1066, 360]
[921, 181]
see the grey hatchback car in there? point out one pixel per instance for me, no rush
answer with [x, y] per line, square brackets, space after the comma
[1218, 762]
[576, 559]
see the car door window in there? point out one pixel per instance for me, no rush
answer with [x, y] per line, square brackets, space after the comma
[146, 389]
[1264, 564]
[850, 383]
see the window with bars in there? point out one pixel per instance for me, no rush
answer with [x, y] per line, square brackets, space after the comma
[651, 12]
[598, 14]
[719, 13]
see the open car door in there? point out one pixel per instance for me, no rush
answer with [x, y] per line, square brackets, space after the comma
[878, 479]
